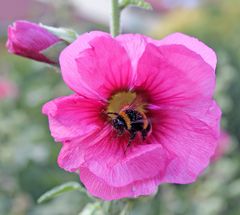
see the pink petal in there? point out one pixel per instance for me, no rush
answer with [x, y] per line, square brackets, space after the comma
[190, 140]
[68, 63]
[95, 65]
[173, 76]
[8, 89]
[104, 156]
[211, 116]
[99, 188]
[117, 169]
[135, 45]
[191, 43]
[72, 116]
[72, 154]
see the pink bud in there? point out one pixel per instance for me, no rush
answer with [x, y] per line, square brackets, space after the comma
[29, 39]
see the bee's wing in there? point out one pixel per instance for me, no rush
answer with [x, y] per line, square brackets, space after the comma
[136, 103]
[150, 120]
[137, 121]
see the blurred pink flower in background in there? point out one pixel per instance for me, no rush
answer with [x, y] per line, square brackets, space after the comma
[29, 39]
[11, 10]
[158, 5]
[7, 89]
[175, 80]
[224, 144]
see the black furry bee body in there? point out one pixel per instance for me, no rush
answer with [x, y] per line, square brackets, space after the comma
[132, 121]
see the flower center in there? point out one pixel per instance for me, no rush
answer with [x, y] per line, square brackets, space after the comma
[121, 99]
[127, 114]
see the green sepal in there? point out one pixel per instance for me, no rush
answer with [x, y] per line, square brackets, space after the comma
[138, 3]
[65, 34]
[94, 208]
[52, 52]
[56, 191]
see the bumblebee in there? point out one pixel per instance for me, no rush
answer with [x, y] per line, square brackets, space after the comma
[133, 121]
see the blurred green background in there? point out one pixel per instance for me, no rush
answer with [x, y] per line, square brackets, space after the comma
[28, 154]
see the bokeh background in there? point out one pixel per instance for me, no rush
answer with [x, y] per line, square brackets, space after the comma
[28, 154]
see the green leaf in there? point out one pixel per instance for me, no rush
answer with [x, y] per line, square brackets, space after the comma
[56, 191]
[138, 3]
[92, 209]
[53, 51]
[65, 34]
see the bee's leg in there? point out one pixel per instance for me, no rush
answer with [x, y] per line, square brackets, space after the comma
[120, 132]
[132, 136]
[144, 134]
[146, 131]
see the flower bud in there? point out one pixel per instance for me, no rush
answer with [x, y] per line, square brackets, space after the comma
[29, 40]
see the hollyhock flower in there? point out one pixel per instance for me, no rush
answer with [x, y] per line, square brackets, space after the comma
[173, 79]
[223, 145]
[29, 39]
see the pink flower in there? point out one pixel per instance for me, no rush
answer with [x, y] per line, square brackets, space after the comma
[29, 39]
[173, 79]
[158, 5]
[7, 89]
[223, 145]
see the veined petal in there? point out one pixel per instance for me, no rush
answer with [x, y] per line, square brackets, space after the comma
[108, 63]
[191, 140]
[99, 188]
[135, 45]
[72, 116]
[96, 65]
[191, 43]
[68, 63]
[107, 161]
[174, 76]
[72, 154]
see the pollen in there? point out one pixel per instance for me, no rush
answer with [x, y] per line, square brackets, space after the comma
[121, 99]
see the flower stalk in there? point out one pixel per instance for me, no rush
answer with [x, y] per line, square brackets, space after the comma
[117, 7]
[115, 18]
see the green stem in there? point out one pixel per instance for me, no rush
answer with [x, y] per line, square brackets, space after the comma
[115, 18]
